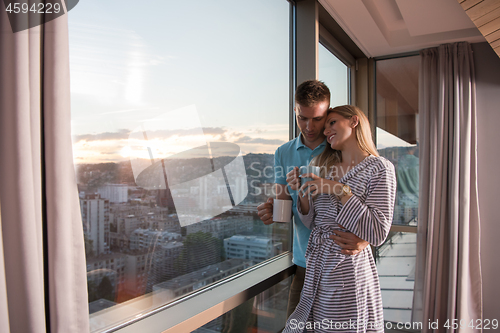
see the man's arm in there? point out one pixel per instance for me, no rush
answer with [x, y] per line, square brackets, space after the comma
[282, 192]
[349, 242]
[265, 210]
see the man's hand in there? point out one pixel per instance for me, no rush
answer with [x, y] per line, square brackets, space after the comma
[265, 211]
[349, 242]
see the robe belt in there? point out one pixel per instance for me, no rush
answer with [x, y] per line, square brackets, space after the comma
[319, 235]
[315, 255]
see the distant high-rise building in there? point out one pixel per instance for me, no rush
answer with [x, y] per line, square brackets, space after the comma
[251, 247]
[115, 193]
[113, 261]
[223, 226]
[95, 218]
[136, 272]
[163, 248]
[147, 239]
[178, 286]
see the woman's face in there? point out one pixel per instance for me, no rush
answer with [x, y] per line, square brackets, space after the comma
[339, 130]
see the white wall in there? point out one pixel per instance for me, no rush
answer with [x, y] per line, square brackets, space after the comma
[487, 65]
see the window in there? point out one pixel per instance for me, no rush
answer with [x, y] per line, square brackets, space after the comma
[397, 129]
[177, 109]
[335, 74]
[335, 67]
[397, 140]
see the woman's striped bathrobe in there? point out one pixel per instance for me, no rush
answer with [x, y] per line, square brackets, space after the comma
[342, 292]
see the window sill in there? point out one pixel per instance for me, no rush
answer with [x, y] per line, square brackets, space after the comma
[200, 307]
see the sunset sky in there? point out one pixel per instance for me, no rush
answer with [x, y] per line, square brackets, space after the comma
[134, 67]
[132, 63]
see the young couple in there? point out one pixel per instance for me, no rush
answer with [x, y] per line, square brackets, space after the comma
[336, 215]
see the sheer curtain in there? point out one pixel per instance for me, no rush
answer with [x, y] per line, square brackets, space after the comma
[448, 275]
[42, 258]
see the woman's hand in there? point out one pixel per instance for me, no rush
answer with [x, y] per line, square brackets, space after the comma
[319, 185]
[293, 179]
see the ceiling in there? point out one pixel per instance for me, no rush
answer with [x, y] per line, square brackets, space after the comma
[385, 27]
[486, 16]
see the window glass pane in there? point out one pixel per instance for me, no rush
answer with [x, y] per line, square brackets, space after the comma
[265, 312]
[177, 109]
[335, 75]
[396, 269]
[397, 140]
[397, 131]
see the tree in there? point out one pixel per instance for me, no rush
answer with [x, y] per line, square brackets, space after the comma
[200, 250]
[105, 289]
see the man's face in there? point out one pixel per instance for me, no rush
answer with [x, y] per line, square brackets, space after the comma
[311, 122]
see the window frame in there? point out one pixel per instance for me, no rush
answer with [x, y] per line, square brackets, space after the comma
[193, 310]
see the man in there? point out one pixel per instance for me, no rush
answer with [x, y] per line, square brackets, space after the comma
[312, 100]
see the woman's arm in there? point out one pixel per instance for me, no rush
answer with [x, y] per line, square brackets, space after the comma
[371, 220]
[303, 203]
[306, 216]
[310, 189]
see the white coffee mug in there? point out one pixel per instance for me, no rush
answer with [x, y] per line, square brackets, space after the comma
[282, 210]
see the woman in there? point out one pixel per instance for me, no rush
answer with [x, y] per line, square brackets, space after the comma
[356, 194]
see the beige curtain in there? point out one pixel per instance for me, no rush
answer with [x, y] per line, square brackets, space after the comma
[42, 257]
[448, 275]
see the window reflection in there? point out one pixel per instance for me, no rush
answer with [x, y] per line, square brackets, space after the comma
[396, 268]
[335, 74]
[397, 130]
[404, 156]
[397, 140]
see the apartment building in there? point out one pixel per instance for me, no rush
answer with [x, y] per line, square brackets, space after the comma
[95, 218]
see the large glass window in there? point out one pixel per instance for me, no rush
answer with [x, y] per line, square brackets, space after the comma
[397, 140]
[177, 109]
[335, 74]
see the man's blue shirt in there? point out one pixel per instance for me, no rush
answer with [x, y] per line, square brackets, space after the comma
[291, 154]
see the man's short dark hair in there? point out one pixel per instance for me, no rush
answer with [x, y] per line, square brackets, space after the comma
[311, 92]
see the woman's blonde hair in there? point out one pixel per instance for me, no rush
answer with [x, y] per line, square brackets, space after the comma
[329, 157]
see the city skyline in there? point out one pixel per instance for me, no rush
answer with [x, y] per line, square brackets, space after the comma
[112, 147]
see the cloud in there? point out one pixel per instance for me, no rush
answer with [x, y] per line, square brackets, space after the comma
[120, 135]
[165, 134]
[247, 139]
[214, 130]
[259, 131]
[127, 110]
[123, 134]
